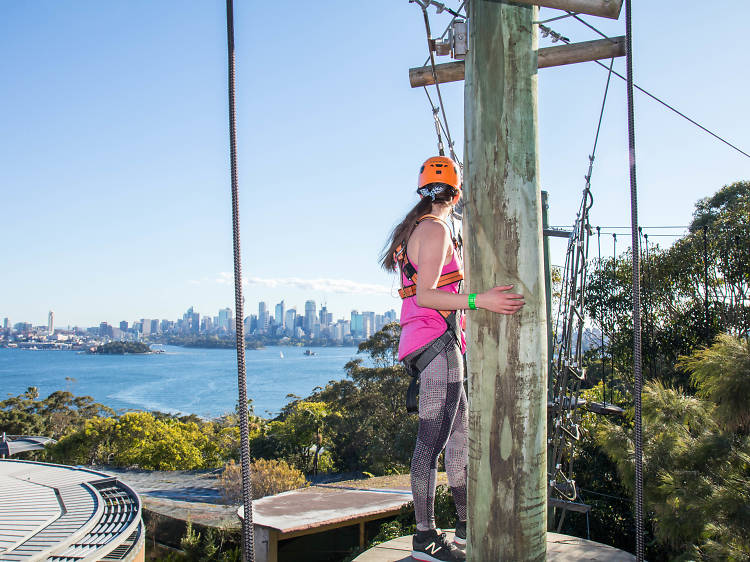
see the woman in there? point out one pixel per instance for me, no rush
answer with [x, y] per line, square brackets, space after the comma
[432, 343]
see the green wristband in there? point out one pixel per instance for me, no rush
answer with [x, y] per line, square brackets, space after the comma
[472, 301]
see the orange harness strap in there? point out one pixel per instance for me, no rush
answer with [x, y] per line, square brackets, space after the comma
[401, 257]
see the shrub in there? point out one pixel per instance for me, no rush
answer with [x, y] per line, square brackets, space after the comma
[268, 477]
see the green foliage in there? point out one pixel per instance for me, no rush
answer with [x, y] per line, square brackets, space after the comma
[356, 424]
[121, 348]
[140, 439]
[382, 347]
[722, 375]
[268, 477]
[211, 545]
[299, 435]
[696, 476]
[54, 416]
[674, 283]
[209, 342]
[373, 433]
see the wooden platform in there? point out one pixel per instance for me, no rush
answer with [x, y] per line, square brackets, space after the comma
[560, 548]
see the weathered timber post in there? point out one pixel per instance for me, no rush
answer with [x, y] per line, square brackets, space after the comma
[507, 355]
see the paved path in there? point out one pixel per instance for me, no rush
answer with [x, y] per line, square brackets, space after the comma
[181, 485]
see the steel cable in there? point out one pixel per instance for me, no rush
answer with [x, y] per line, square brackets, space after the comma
[247, 490]
[557, 36]
[637, 360]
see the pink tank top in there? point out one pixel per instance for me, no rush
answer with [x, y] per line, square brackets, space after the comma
[420, 325]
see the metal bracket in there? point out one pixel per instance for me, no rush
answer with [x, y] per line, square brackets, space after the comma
[460, 34]
[455, 42]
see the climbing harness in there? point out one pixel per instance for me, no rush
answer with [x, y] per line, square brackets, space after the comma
[415, 365]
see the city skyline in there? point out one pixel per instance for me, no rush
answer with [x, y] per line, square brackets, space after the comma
[224, 317]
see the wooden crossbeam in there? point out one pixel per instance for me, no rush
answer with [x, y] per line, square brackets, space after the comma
[604, 8]
[546, 57]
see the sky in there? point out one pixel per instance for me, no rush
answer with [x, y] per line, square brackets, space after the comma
[114, 169]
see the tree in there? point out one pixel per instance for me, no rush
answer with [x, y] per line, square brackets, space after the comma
[696, 468]
[303, 431]
[143, 440]
[374, 433]
[691, 292]
[722, 375]
[54, 416]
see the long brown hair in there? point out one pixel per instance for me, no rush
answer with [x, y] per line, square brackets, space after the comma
[402, 232]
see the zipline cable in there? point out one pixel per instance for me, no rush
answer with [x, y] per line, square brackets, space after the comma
[549, 31]
[637, 366]
[247, 491]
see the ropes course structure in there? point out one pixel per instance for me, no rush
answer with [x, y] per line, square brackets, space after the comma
[566, 370]
[565, 355]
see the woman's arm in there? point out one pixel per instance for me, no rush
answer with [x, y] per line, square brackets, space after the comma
[434, 244]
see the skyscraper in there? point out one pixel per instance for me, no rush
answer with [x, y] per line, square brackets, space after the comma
[368, 325]
[191, 321]
[310, 315]
[225, 319]
[124, 326]
[289, 320]
[356, 324]
[263, 317]
[280, 308]
[326, 318]
[51, 323]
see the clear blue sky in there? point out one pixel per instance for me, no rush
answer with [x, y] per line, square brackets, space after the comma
[113, 154]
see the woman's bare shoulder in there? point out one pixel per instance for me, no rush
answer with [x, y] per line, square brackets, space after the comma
[432, 228]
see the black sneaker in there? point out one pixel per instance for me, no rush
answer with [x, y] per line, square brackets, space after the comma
[459, 539]
[431, 546]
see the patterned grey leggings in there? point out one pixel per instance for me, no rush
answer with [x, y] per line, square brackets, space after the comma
[443, 424]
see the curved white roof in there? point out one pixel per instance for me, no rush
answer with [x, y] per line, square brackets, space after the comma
[62, 513]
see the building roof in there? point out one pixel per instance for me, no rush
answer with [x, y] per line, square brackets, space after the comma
[13, 444]
[62, 513]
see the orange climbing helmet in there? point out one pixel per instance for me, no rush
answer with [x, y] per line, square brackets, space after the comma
[439, 169]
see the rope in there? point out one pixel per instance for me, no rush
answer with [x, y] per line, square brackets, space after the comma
[637, 367]
[611, 344]
[601, 316]
[424, 4]
[247, 527]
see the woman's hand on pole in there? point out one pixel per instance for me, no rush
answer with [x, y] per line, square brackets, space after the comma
[500, 300]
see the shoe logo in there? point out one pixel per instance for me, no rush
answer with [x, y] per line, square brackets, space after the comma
[433, 548]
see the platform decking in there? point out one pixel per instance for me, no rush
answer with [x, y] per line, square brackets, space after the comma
[560, 548]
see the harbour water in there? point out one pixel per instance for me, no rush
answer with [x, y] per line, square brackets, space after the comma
[180, 380]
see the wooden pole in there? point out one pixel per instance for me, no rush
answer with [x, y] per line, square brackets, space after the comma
[507, 354]
[547, 57]
[604, 8]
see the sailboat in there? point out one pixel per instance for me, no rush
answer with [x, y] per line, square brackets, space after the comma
[281, 354]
